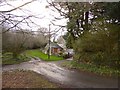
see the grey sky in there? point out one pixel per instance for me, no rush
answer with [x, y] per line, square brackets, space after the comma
[37, 8]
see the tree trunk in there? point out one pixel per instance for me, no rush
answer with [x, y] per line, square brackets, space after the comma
[86, 20]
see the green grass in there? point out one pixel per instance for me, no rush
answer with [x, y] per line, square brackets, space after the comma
[104, 71]
[41, 55]
[7, 59]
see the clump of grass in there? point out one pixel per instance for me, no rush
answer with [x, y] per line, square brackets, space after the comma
[102, 70]
[7, 59]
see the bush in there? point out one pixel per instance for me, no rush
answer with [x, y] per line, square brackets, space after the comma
[99, 48]
[17, 42]
[99, 59]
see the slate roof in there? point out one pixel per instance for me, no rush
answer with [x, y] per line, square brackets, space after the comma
[55, 45]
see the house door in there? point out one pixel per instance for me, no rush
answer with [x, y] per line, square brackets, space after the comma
[55, 50]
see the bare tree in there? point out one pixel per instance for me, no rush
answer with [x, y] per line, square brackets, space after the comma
[13, 21]
[17, 42]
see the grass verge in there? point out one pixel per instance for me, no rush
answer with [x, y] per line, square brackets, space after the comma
[104, 71]
[41, 55]
[25, 79]
[7, 59]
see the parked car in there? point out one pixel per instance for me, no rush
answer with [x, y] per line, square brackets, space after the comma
[68, 53]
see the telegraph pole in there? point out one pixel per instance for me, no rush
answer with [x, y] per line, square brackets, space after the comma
[49, 44]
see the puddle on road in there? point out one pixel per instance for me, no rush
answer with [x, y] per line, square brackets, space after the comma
[51, 71]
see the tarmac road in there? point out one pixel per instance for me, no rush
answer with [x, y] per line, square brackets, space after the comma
[70, 78]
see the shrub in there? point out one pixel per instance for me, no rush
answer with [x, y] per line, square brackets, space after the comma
[99, 48]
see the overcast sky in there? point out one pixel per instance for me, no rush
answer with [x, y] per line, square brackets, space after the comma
[37, 8]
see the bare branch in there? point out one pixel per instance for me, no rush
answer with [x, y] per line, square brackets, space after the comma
[17, 24]
[17, 7]
[59, 10]
[57, 25]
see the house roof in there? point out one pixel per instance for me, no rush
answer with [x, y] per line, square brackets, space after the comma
[55, 45]
[61, 40]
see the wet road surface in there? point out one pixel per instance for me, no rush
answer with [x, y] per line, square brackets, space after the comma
[66, 77]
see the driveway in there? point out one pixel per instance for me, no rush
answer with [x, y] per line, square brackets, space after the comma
[70, 78]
